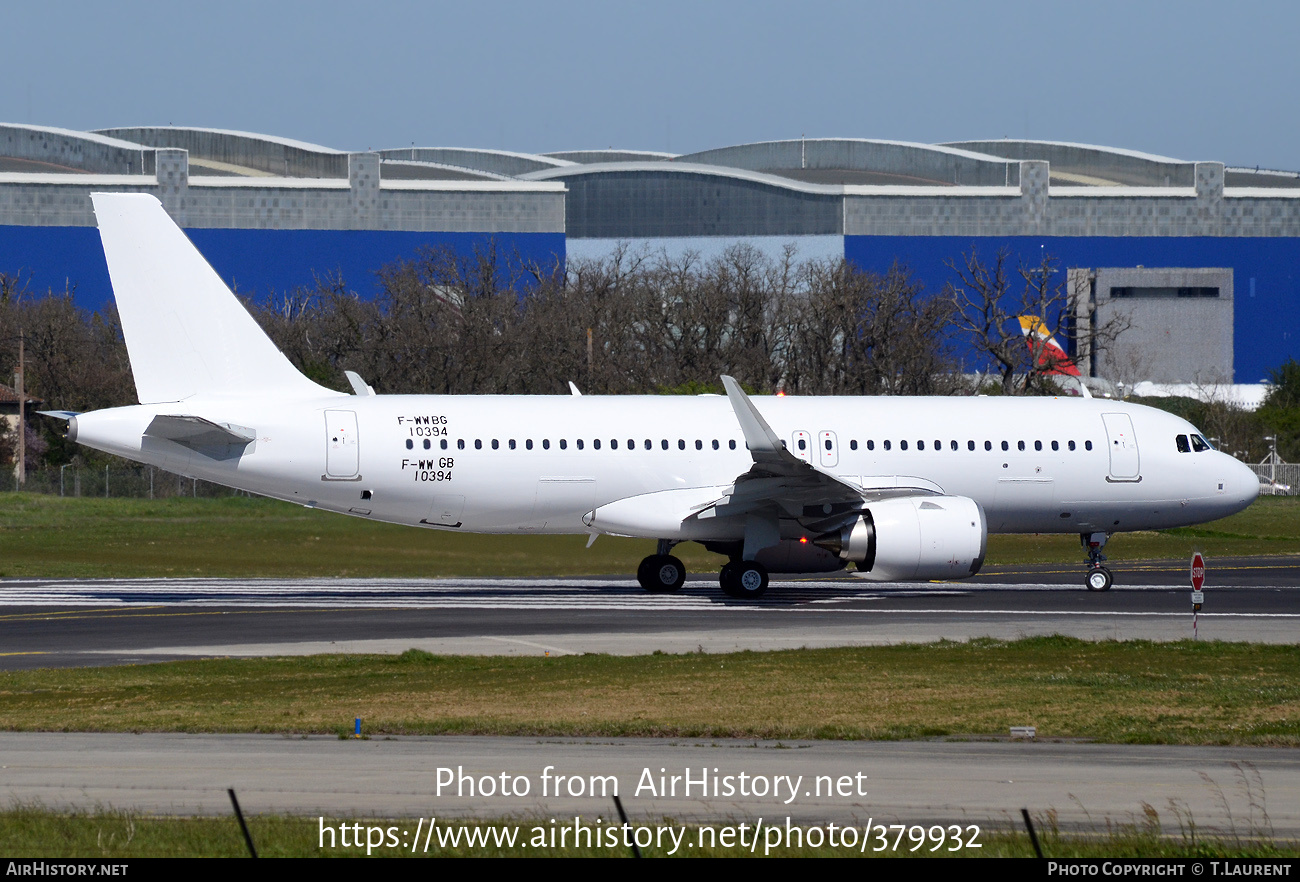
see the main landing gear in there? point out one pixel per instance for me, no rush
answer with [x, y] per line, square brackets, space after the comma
[1099, 578]
[743, 579]
[661, 573]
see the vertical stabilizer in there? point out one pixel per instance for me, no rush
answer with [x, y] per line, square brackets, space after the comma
[186, 333]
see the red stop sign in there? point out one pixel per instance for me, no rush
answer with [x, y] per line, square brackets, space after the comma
[1198, 571]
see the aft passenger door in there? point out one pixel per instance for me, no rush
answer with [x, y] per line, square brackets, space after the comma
[342, 453]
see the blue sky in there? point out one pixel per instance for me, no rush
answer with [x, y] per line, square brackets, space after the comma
[1191, 80]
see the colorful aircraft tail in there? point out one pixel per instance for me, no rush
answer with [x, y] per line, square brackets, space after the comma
[1049, 357]
[186, 333]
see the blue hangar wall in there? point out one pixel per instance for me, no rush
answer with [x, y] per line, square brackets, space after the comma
[1266, 275]
[257, 262]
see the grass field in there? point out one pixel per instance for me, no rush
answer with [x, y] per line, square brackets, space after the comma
[118, 834]
[50, 536]
[1130, 692]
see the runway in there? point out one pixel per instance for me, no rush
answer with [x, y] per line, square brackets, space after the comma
[49, 623]
[62, 623]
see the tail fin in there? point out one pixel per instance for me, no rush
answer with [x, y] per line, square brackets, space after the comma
[1051, 358]
[186, 333]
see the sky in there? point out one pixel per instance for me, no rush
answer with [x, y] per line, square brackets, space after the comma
[1191, 80]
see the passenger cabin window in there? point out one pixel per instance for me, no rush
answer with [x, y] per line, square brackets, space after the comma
[511, 443]
[1184, 446]
[613, 444]
[1038, 445]
[938, 445]
[529, 444]
[444, 443]
[1020, 445]
[1056, 445]
[988, 445]
[886, 445]
[803, 445]
[495, 444]
[716, 445]
[1071, 444]
[579, 443]
[1087, 445]
[631, 444]
[595, 443]
[920, 445]
[970, 445]
[853, 444]
[902, 445]
[409, 444]
[546, 443]
[664, 443]
[1006, 446]
[699, 445]
[648, 444]
[732, 442]
[681, 443]
[871, 445]
[954, 445]
[460, 443]
[564, 444]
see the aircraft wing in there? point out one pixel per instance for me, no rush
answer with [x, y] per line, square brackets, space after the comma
[779, 479]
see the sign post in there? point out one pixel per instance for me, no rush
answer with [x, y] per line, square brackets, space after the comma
[1198, 583]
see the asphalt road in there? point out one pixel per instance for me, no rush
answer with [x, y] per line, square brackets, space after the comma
[1241, 791]
[62, 623]
[1231, 791]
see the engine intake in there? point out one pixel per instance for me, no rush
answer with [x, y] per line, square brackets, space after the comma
[917, 537]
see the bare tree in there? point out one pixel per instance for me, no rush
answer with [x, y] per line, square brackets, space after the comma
[1009, 320]
[859, 333]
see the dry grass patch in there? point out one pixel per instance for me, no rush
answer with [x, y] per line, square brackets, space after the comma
[1119, 692]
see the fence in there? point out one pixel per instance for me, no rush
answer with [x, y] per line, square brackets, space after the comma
[1288, 478]
[139, 482]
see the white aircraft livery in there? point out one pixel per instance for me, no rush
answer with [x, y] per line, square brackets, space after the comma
[904, 488]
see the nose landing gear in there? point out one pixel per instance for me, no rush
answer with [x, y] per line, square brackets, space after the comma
[1099, 578]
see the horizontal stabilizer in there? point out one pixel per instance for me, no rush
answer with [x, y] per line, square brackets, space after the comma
[214, 440]
[58, 414]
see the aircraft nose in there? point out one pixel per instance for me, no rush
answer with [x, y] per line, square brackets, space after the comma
[1246, 484]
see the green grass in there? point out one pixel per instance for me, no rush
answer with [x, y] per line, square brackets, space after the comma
[1130, 692]
[33, 832]
[51, 537]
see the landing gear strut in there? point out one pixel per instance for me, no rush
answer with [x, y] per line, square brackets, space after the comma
[1099, 578]
[743, 579]
[661, 573]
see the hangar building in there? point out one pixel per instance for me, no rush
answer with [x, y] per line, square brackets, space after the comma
[1203, 256]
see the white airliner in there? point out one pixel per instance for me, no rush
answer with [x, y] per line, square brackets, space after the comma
[905, 488]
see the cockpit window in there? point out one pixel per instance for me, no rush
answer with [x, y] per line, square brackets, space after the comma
[1199, 444]
[1183, 445]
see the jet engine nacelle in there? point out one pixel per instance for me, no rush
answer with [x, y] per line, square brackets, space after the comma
[918, 537]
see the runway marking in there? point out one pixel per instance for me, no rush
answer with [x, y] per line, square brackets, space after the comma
[169, 598]
[528, 643]
[3, 654]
